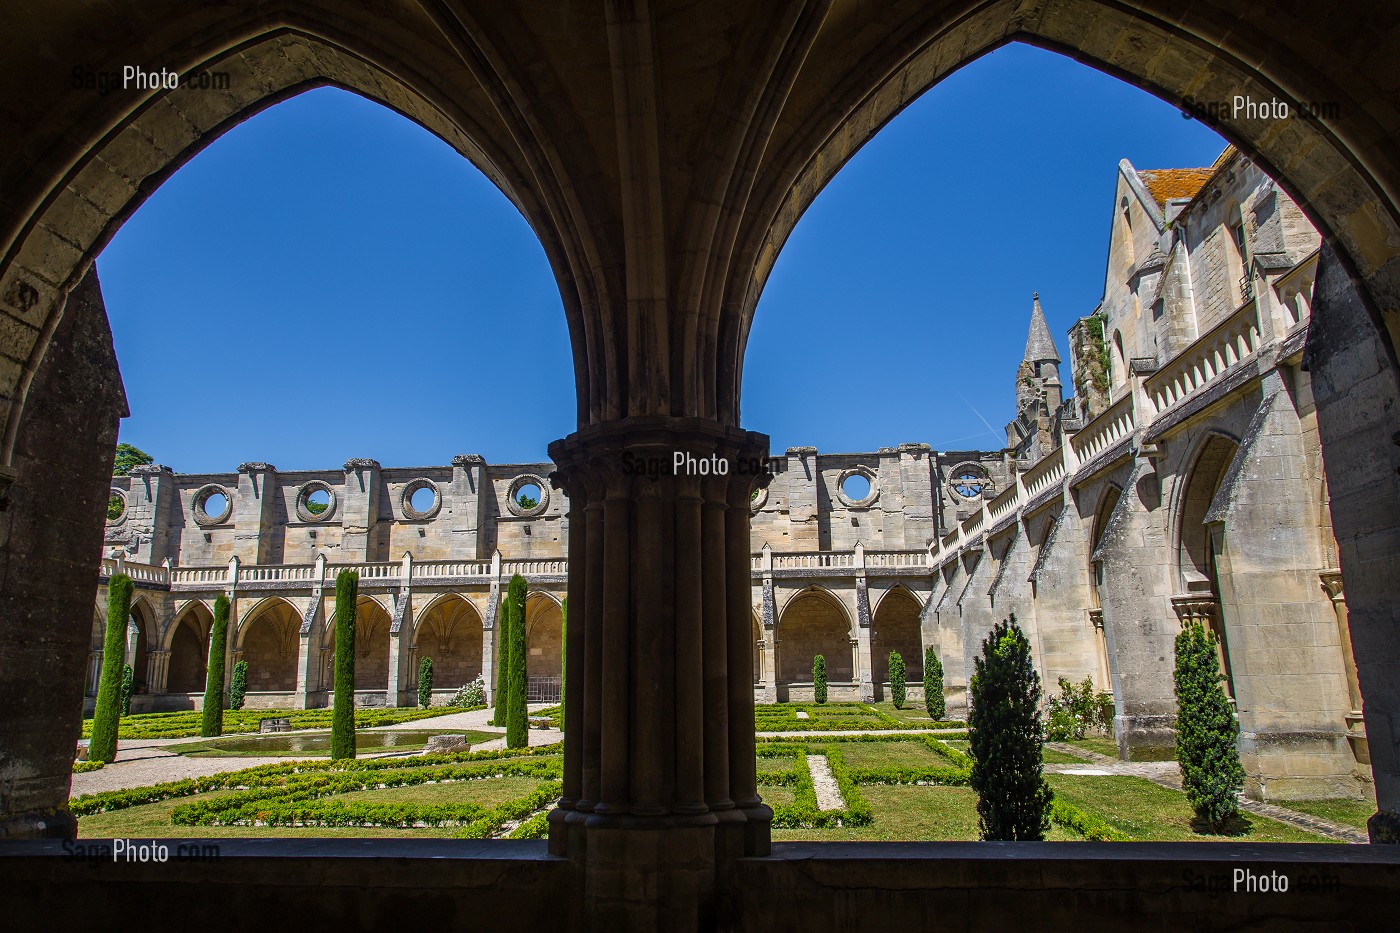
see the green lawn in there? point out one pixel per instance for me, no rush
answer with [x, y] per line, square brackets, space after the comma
[909, 754]
[772, 765]
[913, 714]
[486, 792]
[1345, 811]
[1052, 757]
[912, 814]
[1151, 813]
[313, 745]
[777, 795]
[188, 723]
[152, 821]
[1104, 746]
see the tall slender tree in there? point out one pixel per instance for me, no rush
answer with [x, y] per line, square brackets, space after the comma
[898, 684]
[517, 713]
[213, 718]
[1206, 731]
[347, 591]
[425, 682]
[934, 701]
[1004, 735]
[819, 678]
[502, 713]
[106, 718]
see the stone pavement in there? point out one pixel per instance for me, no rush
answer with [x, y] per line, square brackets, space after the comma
[1168, 774]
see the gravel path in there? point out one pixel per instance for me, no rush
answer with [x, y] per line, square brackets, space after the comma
[824, 783]
[144, 762]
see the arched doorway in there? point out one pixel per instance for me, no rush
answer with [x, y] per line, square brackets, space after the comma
[544, 648]
[1200, 542]
[895, 627]
[268, 642]
[814, 623]
[450, 633]
[189, 650]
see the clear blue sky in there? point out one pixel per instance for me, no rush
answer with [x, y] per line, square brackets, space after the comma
[328, 280]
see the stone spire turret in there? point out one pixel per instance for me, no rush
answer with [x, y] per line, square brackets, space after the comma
[1040, 346]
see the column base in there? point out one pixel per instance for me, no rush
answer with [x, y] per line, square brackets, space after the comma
[649, 879]
[40, 824]
[1384, 827]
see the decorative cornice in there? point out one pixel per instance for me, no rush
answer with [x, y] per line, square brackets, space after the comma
[150, 469]
[361, 463]
[463, 460]
[802, 451]
[256, 467]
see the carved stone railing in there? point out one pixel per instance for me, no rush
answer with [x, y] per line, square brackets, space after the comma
[1115, 423]
[152, 574]
[1220, 349]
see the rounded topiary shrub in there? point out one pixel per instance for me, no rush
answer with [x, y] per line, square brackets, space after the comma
[819, 678]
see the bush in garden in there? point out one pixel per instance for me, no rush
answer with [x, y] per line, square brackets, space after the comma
[1079, 710]
[898, 688]
[425, 682]
[1004, 735]
[471, 695]
[347, 589]
[128, 681]
[1206, 731]
[934, 702]
[819, 678]
[517, 713]
[106, 717]
[502, 711]
[213, 712]
[239, 689]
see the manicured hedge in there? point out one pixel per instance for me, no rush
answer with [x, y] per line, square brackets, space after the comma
[186, 724]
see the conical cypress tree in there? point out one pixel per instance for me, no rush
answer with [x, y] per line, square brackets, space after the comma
[213, 714]
[1206, 731]
[517, 713]
[819, 678]
[425, 682]
[898, 686]
[106, 718]
[933, 685]
[347, 589]
[1004, 732]
[499, 717]
[239, 688]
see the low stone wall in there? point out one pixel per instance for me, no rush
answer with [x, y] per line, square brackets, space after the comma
[333, 885]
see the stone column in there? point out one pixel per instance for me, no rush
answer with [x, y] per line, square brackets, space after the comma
[253, 512]
[1355, 719]
[157, 669]
[398, 657]
[1354, 381]
[770, 632]
[658, 788]
[864, 666]
[490, 631]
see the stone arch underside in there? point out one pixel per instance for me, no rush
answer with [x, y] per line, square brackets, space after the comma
[450, 633]
[269, 641]
[544, 645]
[189, 651]
[896, 627]
[812, 624]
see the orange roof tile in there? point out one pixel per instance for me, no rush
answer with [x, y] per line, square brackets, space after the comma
[1164, 184]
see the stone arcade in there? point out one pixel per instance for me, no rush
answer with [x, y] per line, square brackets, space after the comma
[663, 153]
